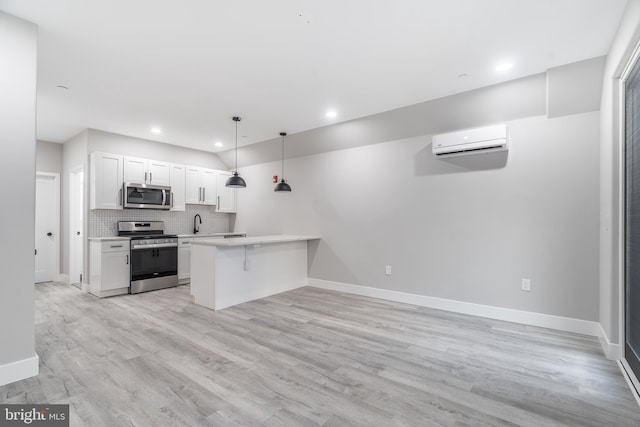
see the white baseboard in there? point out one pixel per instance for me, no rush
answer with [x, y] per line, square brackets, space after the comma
[64, 278]
[611, 350]
[567, 324]
[20, 370]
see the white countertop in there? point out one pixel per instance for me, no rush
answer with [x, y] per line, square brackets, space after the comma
[253, 240]
[108, 239]
[200, 235]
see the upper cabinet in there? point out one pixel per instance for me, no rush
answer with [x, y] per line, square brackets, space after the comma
[226, 196]
[201, 187]
[106, 181]
[189, 184]
[143, 171]
[178, 187]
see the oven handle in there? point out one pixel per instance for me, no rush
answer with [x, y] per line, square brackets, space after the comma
[158, 245]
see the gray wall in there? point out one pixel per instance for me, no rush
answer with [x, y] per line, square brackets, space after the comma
[48, 157]
[467, 229]
[18, 50]
[136, 147]
[611, 232]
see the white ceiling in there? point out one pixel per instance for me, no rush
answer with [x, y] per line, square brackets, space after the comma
[189, 66]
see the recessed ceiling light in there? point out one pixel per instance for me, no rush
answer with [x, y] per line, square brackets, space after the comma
[63, 87]
[156, 130]
[505, 66]
[331, 114]
[219, 144]
[463, 75]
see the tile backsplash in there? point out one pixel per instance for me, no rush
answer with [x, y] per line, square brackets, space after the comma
[103, 222]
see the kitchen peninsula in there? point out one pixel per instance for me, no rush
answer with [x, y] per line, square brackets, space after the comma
[226, 272]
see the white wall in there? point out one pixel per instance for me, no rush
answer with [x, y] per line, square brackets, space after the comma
[18, 50]
[136, 147]
[467, 229]
[48, 157]
[626, 40]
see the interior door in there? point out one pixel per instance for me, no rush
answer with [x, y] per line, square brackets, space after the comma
[632, 220]
[47, 242]
[76, 225]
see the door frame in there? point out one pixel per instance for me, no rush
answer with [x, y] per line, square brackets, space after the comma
[632, 379]
[72, 217]
[56, 227]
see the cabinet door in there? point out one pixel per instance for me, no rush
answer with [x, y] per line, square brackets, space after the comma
[159, 173]
[135, 170]
[106, 181]
[178, 187]
[193, 190]
[184, 261]
[209, 187]
[115, 270]
[226, 196]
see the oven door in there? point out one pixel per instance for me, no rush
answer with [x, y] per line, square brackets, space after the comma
[144, 196]
[151, 263]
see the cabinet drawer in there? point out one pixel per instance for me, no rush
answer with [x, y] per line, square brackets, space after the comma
[115, 246]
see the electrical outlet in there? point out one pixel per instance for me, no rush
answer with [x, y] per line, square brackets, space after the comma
[526, 284]
[387, 270]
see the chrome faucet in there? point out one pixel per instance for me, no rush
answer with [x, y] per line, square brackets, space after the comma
[195, 225]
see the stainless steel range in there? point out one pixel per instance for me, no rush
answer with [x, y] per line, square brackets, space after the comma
[154, 255]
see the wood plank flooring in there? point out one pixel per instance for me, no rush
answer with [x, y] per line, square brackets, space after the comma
[310, 357]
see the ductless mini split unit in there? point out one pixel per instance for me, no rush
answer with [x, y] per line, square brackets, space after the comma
[471, 141]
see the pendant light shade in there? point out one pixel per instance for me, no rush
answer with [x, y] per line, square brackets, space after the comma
[236, 180]
[282, 185]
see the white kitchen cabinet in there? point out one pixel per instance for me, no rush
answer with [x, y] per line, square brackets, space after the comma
[144, 171]
[178, 187]
[105, 191]
[226, 196]
[201, 188]
[184, 259]
[209, 187]
[109, 267]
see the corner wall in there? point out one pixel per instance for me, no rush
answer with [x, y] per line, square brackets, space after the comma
[18, 50]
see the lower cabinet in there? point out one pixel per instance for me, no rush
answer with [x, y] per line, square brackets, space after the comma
[109, 265]
[184, 259]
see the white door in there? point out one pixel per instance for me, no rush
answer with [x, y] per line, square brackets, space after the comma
[135, 170]
[76, 225]
[159, 173]
[47, 241]
[178, 187]
[193, 192]
[209, 187]
[226, 195]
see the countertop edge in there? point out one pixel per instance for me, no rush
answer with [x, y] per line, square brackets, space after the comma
[254, 240]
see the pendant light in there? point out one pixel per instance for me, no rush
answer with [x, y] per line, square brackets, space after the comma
[236, 180]
[282, 185]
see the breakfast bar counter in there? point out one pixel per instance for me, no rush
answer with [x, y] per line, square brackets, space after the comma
[226, 272]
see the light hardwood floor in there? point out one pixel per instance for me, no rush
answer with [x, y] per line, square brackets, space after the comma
[310, 357]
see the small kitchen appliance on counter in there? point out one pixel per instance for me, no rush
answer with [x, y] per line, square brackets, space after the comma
[154, 255]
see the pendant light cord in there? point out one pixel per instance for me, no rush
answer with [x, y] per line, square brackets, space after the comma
[282, 176]
[236, 119]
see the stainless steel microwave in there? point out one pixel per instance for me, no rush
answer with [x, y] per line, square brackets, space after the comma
[145, 196]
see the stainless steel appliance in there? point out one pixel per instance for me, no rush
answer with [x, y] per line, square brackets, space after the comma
[154, 255]
[145, 196]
